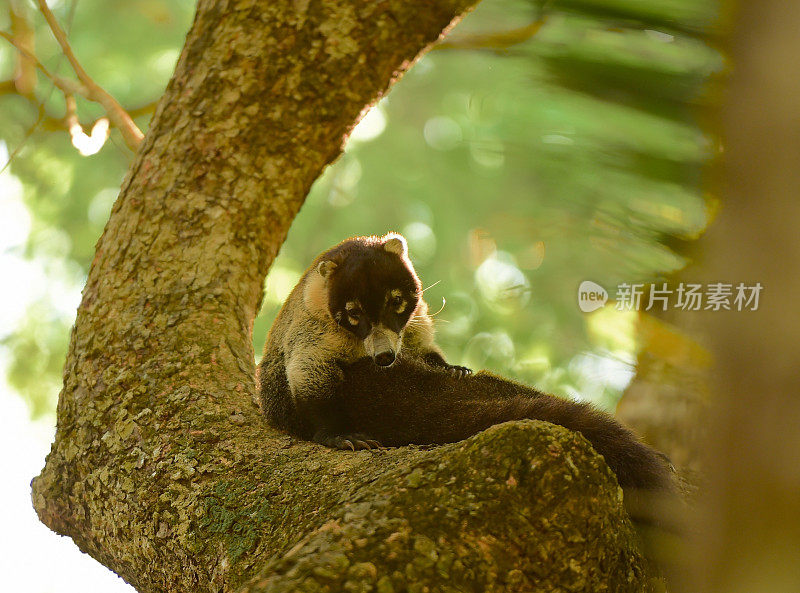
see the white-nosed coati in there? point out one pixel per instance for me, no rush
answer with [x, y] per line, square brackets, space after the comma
[359, 298]
[350, 362]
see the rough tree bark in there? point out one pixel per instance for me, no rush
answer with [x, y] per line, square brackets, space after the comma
[164, 471]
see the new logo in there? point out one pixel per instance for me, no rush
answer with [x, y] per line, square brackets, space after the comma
[591, 296]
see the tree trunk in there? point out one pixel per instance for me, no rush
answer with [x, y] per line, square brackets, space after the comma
[751, 535]
[164, 471]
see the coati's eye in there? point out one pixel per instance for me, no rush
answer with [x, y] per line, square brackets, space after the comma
[397, 302]
[354, 312]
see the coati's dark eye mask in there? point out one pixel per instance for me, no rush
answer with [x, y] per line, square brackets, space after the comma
[355, 313]
[397, 302]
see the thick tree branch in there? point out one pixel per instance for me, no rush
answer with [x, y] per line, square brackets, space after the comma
[163, 469]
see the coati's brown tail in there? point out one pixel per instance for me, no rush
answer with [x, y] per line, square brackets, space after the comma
[412, 403]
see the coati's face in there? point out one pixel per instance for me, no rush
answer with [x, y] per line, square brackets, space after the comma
[372, 292]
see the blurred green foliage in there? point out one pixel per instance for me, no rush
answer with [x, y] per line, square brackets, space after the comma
[515, 171]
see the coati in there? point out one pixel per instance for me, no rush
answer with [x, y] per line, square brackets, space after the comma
[360, 298]
[350, 362]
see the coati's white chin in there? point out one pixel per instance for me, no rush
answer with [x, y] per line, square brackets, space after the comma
[382, 345]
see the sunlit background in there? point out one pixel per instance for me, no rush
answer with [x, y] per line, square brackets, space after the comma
[544, 144]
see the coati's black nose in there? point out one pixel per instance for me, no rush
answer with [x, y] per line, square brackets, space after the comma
[385, 359]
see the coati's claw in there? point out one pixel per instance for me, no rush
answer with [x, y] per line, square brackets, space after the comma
[351, 442]
[667, 461]
[459, 372]
[364, 442]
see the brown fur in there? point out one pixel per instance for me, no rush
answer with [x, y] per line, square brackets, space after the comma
[410, 402]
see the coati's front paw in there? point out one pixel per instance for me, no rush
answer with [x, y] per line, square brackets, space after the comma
[459, 372]
[347, 442]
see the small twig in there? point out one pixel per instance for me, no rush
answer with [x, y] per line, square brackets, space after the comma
[65, 84]
[144, 109]
[71, 117]
[86, 144]
[40, 106]
[22, 142]
[497, 41]
[59, 124]
[24, 51]
[52, 124]
[130, 132]
[25, 71]
[8, 87]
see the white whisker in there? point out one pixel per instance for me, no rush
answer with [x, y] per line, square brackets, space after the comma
[431, 286]
[444, 302]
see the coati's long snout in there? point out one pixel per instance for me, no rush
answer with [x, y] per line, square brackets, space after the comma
[382, 345]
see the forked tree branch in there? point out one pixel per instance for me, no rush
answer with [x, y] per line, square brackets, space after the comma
[52, 123]
[130, 132]
[69, 88]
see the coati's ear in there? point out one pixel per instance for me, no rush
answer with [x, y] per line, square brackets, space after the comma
[396, 244]
[326, 267]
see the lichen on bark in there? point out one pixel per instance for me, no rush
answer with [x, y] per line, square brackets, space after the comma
[162, 469]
